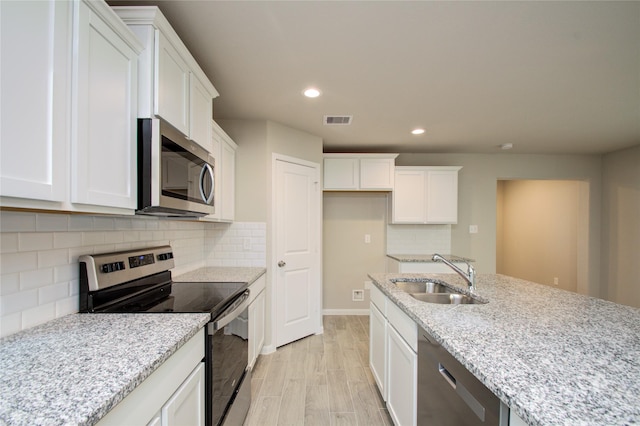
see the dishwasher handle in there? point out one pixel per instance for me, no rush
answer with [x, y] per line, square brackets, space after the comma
[463, 393]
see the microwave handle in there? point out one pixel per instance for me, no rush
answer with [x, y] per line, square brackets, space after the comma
[207, 169]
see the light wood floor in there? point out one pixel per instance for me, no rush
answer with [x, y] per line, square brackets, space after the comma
[319, 380]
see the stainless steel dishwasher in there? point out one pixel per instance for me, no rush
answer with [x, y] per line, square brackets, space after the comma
[448, 394]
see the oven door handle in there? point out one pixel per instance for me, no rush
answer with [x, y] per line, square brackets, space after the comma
[238, 307]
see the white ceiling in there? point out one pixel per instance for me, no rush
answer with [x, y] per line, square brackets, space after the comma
[548, 77]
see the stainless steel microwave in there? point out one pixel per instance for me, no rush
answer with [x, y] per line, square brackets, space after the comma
[175, 175]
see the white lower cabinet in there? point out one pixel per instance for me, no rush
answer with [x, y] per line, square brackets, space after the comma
[378, 348]
[172, 395]
[402, 383]
[186, 406]
[256, 319]
[393, 357]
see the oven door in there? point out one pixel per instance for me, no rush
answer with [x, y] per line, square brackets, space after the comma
[229, 392]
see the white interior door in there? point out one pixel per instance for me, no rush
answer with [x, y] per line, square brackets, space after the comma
[297, 254]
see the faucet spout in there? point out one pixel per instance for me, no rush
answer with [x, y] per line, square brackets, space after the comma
[469, 276]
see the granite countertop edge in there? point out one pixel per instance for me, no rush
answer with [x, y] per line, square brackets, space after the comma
[75, 369]
[537, 348]
[228, 274]
[426, 258]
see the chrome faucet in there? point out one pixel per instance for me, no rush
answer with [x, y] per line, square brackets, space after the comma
[469, 276]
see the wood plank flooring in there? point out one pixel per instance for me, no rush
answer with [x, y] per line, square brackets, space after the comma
[321, 380]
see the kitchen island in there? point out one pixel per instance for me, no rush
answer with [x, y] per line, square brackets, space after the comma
[75, 369]
[553, 357]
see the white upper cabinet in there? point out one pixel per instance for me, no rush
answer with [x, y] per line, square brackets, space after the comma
[171, 83]
[425, 195]
[103, 145]
[223, 149]
[69, 111]
[359, 172]
[171, 91]
[35, 100]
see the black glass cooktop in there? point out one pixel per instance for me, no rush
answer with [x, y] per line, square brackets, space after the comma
[198, 297]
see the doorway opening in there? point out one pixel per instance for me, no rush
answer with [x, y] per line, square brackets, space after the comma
[542, 232]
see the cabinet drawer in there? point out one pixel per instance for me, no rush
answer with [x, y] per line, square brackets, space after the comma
[404, 325]
[379, 299]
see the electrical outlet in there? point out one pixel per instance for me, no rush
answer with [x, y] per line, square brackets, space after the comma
[367, 238]
[246, 244]
[358, 296]
[555, 280]
[473, 229]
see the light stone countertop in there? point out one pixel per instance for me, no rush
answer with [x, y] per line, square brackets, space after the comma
[554, 357]
[222, 274]
[73, 370]
[426, 258]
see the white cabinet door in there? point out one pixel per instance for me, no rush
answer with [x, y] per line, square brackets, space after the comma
[171, 97]
[256, 327]
[442, 196]
[341, 173]
[186, 406]
[402, 380]
[103, 148]
[228, 175]
[377, 173]
[409, 197]
[35, 82]
[200, 114]
[378, 348]
[425, 195]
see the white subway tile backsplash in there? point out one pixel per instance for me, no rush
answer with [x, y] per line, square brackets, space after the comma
[38, 315]
[53, 293]
[18, 302]
[35, 279]
[68, 305]
[46, 222]
[418, 239]
[9, 283]
[80, 223]
[18, 262]
[17, 222]
[33, 241]
[10, 324]
[67, 239]
[39, 271]
[9, 242]
[53, 258]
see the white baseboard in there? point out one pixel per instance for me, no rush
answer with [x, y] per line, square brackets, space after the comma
[345, 312]
[267, 349]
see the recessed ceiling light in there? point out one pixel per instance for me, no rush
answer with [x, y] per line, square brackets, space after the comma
[417, 131]
[311, 92]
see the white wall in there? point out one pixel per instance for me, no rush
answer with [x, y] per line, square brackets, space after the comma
[347, 258]
[477, 198]
[257, 141]
[621, 226]
[545, 214]
[39, 269]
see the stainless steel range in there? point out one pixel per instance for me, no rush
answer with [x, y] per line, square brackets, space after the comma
[140, 281]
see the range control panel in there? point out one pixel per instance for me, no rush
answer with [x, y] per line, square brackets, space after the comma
[109, 269]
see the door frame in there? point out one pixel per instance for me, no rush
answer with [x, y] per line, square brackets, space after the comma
[271, 256]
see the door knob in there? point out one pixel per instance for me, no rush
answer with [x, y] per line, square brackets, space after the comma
[281, 263]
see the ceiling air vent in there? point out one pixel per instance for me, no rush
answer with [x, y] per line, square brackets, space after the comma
[337, 120]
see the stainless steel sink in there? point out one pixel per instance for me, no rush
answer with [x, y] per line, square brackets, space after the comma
[446, 298]
[422, 287]
[432, 292]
